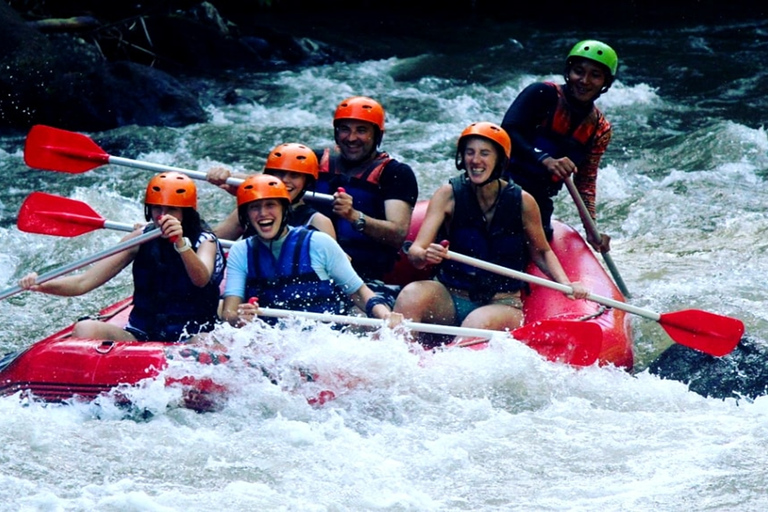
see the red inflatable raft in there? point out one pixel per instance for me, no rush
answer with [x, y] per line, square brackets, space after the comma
[59, 368]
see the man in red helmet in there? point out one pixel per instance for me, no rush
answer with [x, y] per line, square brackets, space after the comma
[557, 130]
[374, 194]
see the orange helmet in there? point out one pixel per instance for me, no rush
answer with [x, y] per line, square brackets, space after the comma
[261, 186]
[490, 131]
[360, 108]
[171, 189]
[293, 157]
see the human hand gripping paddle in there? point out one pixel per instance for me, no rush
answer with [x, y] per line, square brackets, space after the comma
[700, 330]
[54, 149]
[590, 225]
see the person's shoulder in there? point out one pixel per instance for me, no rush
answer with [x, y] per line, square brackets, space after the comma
[540, 87]
[398, 169]
[320, 237]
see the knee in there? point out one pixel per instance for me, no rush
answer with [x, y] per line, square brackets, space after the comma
[86, 329]
[410, 300]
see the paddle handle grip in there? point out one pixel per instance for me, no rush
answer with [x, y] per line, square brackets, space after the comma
[522, 276]
[198, 175]
[376, 322]
[53, 274]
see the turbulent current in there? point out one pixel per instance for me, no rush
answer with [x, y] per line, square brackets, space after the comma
[681, 191]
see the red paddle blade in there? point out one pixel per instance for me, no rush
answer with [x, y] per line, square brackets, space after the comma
[53, 149]
[571, 342]
[48, 214]
[700, 330]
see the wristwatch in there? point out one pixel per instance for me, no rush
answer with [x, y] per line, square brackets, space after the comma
[187, 246]
[359, 224]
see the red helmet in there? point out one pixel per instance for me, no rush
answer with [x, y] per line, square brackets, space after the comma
[261, 186]
[293, 157]
[171, 189]
[490, 131]
[360, 108]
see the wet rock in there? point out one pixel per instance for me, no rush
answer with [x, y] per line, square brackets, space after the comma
[136, 70]
[742, 373]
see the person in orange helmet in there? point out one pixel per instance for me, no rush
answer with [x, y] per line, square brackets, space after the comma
[176, 277]
[296, 165]
[481, 215]
[287, 267]
[374, 194]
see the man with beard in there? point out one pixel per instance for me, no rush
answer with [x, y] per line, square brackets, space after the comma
[374, 194]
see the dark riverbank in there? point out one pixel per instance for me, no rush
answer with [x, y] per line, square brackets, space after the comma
[93, 66]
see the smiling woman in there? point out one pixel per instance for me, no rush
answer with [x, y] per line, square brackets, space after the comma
[287, 267]
[480, 214]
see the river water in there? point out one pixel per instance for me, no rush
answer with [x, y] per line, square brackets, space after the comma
[681, 191]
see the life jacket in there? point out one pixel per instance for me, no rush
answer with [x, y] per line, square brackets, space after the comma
[301, 215]
[166, 304]
[290, 282]
[558, 137]
[502, 243]
[370, 258]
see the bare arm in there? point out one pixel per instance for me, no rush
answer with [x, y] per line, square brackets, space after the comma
[391, 231]
[322, 223]
[219, 176]
[539, 249]
[229, 228]
[229, 310]
[95, 276]
[424, 250]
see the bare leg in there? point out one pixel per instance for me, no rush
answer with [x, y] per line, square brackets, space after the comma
[101, 331]
[426, 301]
[496, 317]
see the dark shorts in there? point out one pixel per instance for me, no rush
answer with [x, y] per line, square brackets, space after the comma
[463, 306]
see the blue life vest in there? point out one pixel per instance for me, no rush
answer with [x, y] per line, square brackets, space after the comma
[559, 137]
[166, 303]
[503, 243]
[370, 258]
[290, 282]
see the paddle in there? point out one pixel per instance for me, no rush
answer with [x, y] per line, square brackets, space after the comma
[571, 342]
[707, 332]
[54, 149]
[587, 220]
[86, 261]
[49, 214]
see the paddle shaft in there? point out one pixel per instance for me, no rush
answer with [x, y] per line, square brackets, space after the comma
[197, 175]
[53, 274]
[590, 225]
[522, 276]
[124, 226]
[377, 322]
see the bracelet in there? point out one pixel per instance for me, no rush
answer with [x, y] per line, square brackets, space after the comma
[187, 246]
[373, 302]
